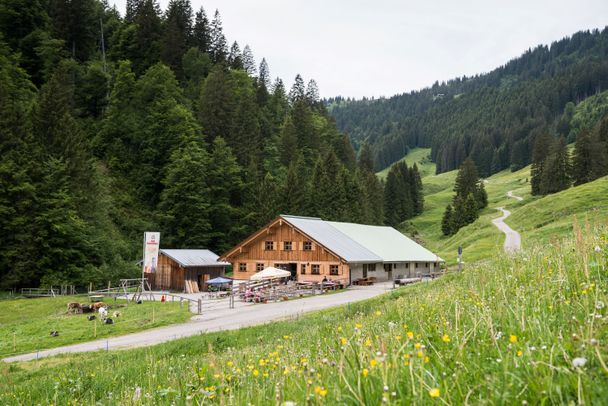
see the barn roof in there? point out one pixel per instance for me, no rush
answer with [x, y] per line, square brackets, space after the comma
[193, 258]
[357, 243]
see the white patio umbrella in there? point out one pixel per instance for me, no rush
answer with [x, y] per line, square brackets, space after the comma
[270, 273]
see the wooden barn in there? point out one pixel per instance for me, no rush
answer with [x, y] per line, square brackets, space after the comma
[313, 249]
[185, 270]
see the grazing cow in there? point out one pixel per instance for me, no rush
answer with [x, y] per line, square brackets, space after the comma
[91, 317]
[98, 305]
[74, 307]
[103, 313]
[116, 315]
[85, 308]
[108, 321]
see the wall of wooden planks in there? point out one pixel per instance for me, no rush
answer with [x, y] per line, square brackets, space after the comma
[254, 252]
[171, 276]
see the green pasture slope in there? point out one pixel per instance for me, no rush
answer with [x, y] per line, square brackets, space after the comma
[26, 323]
[536, 219]
[524, 329]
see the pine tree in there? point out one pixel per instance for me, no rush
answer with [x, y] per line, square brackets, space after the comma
[248, 61]
[176, 34]
[556, 175]
[416, 190]
[447, 221]
[235, 60]
[297, 92]
[218, 48]
[288, 146]
[227, 188]
[467, 179]
[366, 158]
[392, 199]
[312, 92]
[186, 200]
[542, 145]
[201, 35]
[582, 160]
[217, 103]
[264, 76]
[481, 196]
[295, 190]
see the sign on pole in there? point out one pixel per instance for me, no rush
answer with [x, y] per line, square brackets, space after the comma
[151, 246]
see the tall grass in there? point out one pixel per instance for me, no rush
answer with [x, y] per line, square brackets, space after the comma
[525, 329]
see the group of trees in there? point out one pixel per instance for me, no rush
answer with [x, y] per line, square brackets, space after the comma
[403, 197]
[469, 199]
[553, 169]
[492, 118]
[114, 125]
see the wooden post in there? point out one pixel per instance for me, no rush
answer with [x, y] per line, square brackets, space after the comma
[90, 287]
[14, 342]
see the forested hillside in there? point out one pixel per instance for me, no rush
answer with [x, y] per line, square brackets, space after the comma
[113, 125]
[492, 118]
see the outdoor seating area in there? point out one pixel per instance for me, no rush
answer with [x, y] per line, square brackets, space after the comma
[282, 289]
[365, 281]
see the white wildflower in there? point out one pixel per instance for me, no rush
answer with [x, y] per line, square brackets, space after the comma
[599, 305]
[579, 362]
[597, 248]
[137, 394]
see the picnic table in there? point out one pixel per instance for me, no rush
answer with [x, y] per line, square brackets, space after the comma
[96, 298]
[364, 281]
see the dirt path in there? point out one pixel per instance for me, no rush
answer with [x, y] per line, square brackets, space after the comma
[512, 237]
[218, 318]
[510, 194]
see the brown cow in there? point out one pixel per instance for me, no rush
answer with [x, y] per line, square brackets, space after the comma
[74, 307]
[96, 306]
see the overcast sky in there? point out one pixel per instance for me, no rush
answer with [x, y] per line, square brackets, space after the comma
[382, 47]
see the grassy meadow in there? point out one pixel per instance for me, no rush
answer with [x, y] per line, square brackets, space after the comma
[536, 219]
[525, 329]
[26, 323]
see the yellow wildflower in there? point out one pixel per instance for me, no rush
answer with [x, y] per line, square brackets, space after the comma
[417, 346]
[398, 338]
[378, 313]
[365, 372]
[426, 360]
[358, 326]
[435, 393]
[410, 335]
[520, 353]
[256, 372]
[343, 341]
[373, 363]
[420, 354]
[229, 363]
[368, 343]
[513, 339]
[445, 338]
[320, 391]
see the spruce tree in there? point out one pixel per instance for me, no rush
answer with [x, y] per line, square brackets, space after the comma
[218, 48]
[416, 190]
[248, 61]
[298, 91]
[186, 200]
[542, 145]
[176, 34]
[201, 35]
[582, 158]
[556, 175]
[366, 158]
[447, 221]
[235, 60]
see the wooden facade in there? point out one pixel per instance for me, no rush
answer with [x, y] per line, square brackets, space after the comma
[171, 275]
[281, 245]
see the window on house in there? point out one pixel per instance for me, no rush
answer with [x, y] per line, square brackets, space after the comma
[415, 264]
[316, 269]
[259, 267]
[303, 269]
[333, 269]
[407, 264]
[427, 265]
[242, 267]
[371, 267]
[365, 267]
[388, 267]
[287, 245]
[269, 245]
[307, 245]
